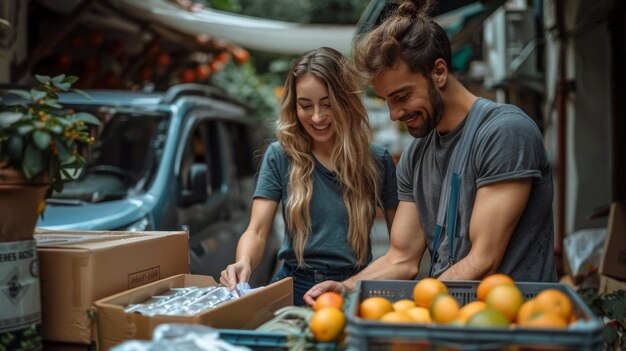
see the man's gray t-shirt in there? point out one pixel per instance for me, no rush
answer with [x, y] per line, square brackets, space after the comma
[328, 247]
[508, 145]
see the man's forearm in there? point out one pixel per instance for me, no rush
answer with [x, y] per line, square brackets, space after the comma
[385, 268]
[469, 268]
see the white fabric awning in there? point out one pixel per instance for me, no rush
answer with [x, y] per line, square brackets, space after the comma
[249, 32]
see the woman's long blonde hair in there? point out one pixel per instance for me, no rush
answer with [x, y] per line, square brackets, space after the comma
[351, 155]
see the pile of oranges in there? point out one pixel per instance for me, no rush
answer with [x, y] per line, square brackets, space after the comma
[328, 320]
[499, 303]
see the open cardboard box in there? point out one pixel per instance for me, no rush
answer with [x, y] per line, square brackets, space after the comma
[114, 326]
[79, 267]
[613, 263]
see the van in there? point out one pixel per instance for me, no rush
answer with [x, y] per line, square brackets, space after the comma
[185, 159]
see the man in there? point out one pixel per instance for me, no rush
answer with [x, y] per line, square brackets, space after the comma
[504, 220]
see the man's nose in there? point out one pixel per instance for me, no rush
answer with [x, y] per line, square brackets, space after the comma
[396, 113]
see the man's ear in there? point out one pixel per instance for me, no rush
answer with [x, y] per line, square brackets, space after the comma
[440, 73]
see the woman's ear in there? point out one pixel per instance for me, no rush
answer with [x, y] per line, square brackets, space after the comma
[440, 73]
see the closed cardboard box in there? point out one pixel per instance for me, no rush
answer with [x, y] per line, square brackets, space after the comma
[114, 325]
[77, 268]
[608, 284]
[613, 262]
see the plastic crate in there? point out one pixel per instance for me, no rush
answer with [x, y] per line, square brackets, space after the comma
[585, 334]
[272, 341]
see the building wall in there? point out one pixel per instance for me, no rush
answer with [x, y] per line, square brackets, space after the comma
[590, 128]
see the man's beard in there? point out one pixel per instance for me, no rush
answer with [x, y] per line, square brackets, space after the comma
[430, 122]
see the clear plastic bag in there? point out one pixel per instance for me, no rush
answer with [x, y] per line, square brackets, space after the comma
[583, 251]
[180, 337]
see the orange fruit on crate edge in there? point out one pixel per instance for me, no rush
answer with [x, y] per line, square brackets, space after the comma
[374, 307]
[444, 309]
[555, 301]
[545, 320]
[426, 289]
[327, 324]
[489, 282]
[470, 309]
[419, 315]
[396, 317]
[403, 305]
[507, 299]
[328, 299]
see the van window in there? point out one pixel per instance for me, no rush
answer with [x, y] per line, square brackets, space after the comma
[124, 159]
[242, 145]
[203, 146]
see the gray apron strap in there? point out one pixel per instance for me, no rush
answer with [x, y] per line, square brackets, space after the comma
[451, 186]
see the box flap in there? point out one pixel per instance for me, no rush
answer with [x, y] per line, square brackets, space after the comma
[613, 262]
[258, 307]
[90, 240]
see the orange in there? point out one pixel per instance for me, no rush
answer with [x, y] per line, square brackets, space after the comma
[426, 289]
[396, 317]
[507, 299]
[488, 318]
[374, 307]
[327, 324]
[555, 301]
[419, 315]
[470, 309]
[328, 299]
[489, 282]
[545, 320]
[403, 305]
[526, 311]
[444, 308]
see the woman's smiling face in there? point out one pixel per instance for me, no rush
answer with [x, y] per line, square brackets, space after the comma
[314, 110]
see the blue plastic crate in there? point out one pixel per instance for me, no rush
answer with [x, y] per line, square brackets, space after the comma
[587, 334]
[272, 340]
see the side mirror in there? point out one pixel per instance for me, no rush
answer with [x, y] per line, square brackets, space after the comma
[197, 181]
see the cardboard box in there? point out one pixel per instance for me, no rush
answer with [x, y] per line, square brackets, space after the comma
[608, 284]
[77, 268]
[613, 263]
[248, 312]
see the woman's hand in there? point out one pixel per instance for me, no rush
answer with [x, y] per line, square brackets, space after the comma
[235, 273]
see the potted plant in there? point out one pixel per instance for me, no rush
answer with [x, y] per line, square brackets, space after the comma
[40, 149]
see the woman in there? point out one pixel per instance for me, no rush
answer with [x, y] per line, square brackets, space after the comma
[328, 176]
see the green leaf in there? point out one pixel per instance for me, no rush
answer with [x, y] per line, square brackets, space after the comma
[53, 103]
[25, 129]
[21, 93]
[43, 79]
[37, 95]
[62, 148]
[8, 118]
[87, 118]
[70, 79]
[41, 139]
[63, 121]
[81, 93]
[16, 147]
[615, 305]
[61, 85]
[33, 161]
[58, 79]
[56, 129]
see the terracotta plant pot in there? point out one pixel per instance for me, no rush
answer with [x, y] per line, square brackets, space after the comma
[19, 202]
[20, 315]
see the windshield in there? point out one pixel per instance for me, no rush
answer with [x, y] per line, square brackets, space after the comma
[122, 161]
